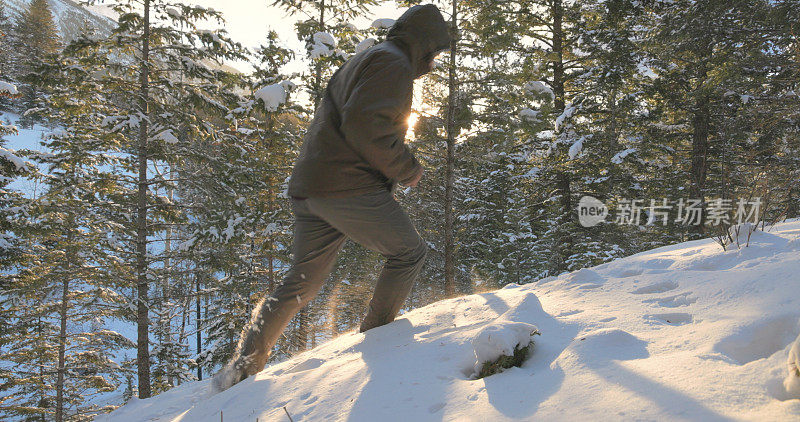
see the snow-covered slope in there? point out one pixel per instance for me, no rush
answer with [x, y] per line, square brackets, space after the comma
[70, 17]
[686, 332]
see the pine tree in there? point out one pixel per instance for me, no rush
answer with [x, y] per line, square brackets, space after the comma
[11, 224]
[36, 39]
[6, 41]
[11, 166]
[37, 33]
[178, 103]
[706, 100]
[607, 162]
[253, 218]
[67, 259]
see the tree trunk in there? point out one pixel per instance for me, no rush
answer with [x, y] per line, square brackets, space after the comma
[562, 177]
[449, 241]
[62, 345]
[700, 122]
[318, 66]
[198, 334]
[166, 288]
[142, 341]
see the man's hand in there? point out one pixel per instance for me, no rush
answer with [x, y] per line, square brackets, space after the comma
[412, 183]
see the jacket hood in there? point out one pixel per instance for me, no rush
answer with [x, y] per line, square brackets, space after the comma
[422, 32]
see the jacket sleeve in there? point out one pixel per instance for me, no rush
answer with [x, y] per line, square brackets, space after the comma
[374, 118]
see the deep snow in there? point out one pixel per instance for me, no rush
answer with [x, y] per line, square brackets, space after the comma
[685, 332]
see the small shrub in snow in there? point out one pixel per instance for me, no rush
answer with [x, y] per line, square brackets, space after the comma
[502, 345]
[504, 361]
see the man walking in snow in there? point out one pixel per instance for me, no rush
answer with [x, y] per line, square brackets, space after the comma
[352, 156]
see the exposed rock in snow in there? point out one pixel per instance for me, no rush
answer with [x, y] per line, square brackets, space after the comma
[367, 43]
[70, 17]
[383, 23]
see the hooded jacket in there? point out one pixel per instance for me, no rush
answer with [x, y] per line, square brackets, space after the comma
[355, 143]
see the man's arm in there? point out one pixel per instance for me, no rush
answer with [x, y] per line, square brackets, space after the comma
[374, 118]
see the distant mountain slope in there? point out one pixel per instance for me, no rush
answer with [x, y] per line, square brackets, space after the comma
[71, 18]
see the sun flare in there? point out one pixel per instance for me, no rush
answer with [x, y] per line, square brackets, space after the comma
[412, 120]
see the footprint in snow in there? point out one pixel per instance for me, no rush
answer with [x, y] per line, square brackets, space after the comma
[675, 318]
[306, 365]
[569, 313]
[660, 287]
[676, 301]
[436, 407]
[759, 339]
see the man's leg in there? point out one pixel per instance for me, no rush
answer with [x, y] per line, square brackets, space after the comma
[377, 222]
[315, 246]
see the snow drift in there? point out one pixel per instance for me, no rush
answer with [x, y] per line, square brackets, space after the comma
[685, 332]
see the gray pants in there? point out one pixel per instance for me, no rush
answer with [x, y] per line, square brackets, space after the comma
[374, 220]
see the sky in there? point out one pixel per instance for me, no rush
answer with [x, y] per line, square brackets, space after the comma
[248, 21]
